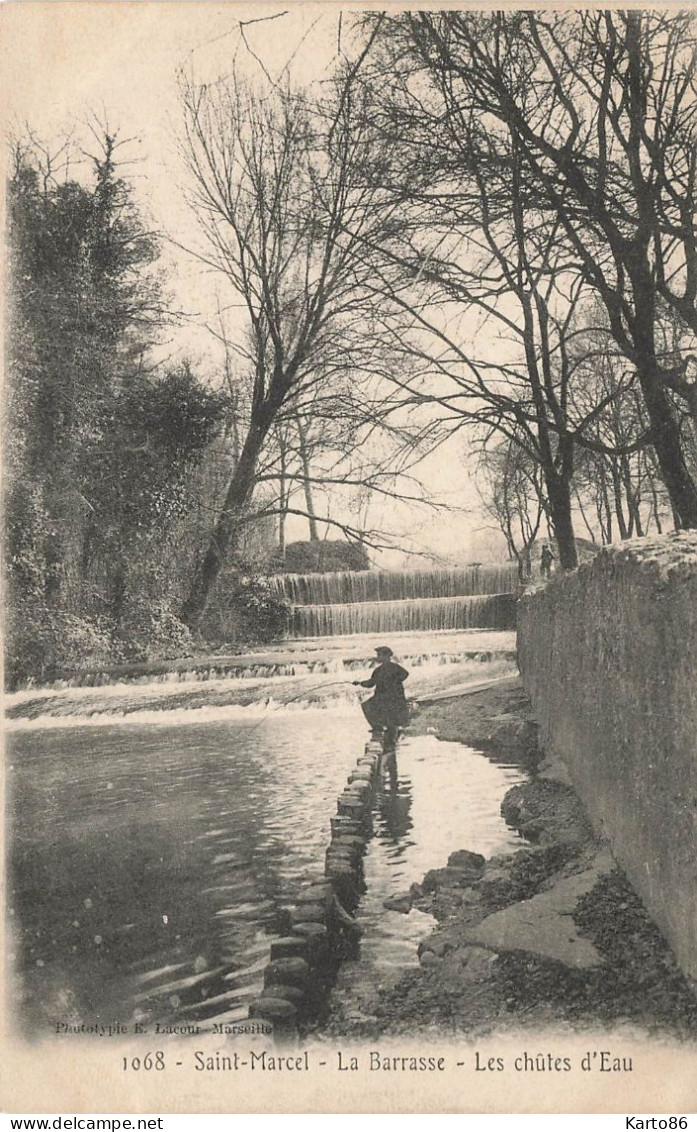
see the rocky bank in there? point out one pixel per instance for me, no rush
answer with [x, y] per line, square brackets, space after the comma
[550, 936]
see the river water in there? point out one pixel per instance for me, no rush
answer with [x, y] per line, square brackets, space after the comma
[440, 796]
[153, 857]
[150, 864]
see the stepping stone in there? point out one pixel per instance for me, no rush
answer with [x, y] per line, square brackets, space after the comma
[295, 972]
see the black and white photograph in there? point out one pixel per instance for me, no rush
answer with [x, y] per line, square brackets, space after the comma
[350, 558]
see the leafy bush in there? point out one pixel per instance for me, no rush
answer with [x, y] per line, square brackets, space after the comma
[248, 614]
[42, 642]
[149, 630]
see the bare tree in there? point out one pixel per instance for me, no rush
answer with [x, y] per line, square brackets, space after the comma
[619, 480]
[601, 107]
[512, 493]
[485, 298]
[280, 193]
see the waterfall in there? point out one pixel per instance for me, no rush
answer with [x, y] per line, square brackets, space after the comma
[353, 586]
[393, 601]
[482, 611]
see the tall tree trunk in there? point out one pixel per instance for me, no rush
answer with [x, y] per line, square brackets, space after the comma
[525, 561]
[225, 537]
[668, 446]
[602, 503]
[619, 510]
[282, 517]
[559, 496]
[591, 532]
[654, 504]
[666, 438]
[307, 483]
[638, 524]
[665, 429]
[633, 496]
[282, 505]
[282, 532]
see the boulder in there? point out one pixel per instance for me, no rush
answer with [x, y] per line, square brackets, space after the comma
[448, 877]
[289, 947]
[315, 938]
[293, 971]
[347, 844]
[477, 964]
[296, 995]
[438, 944]
[497, 887]
[491, 875]
[273, 1010]
[351, 807]
[429, 959]
[471, 896]
[362, 774]
[463, 859]
[340, 825]
[315, 894]
[400, 902]
[309, 913]
[544, 925]
[356, 789]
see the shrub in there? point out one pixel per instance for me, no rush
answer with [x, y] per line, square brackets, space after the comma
[43, 641]
[262, 617]
[249, 613]
[149, 630]
[323, 557]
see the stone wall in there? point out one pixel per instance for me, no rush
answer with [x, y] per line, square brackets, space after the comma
[608, 655]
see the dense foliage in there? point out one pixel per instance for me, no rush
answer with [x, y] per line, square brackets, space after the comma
[245, 611]
[101, 443]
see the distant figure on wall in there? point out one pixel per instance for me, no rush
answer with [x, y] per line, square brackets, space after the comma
[386, 711]
[546, 560]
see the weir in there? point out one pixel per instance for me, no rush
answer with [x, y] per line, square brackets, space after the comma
[392, 601]
[496, 611]
[351, 586]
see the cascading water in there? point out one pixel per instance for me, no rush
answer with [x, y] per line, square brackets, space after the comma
[383, 601]
[348, 586]
[495, 611]
[169, 825]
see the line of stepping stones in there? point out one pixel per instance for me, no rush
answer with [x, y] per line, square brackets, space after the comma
[304, 962]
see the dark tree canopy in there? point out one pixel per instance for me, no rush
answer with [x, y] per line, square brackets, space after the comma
[100, 441]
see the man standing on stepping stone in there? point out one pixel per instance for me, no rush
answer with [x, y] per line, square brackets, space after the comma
[386, 710]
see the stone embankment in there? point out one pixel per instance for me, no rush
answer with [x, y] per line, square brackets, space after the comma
[321, 928]
[552, 935]
[608, 656]
[549, 935]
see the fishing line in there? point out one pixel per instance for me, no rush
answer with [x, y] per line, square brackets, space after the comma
[299, 696]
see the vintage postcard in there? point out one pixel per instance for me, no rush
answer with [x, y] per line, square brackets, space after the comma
[350, 558]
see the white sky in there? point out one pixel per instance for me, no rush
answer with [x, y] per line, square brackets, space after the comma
[64, 63]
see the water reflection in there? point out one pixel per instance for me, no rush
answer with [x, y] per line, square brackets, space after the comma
[434, 797]
[392, 802]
